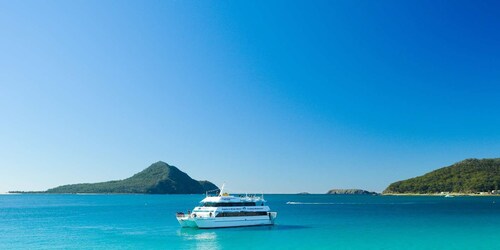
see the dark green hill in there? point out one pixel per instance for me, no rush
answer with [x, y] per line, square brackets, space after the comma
[468, 176]
[159, 178]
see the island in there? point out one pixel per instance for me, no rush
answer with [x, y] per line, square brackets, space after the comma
[470, 176]
[351, 191]
[159, 178]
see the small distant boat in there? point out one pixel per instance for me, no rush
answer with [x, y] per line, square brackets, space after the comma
[449, 196]
[225, 210]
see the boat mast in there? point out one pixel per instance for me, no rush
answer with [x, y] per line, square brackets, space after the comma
[222, 189]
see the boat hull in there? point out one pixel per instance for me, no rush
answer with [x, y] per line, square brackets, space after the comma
[223, 222]
[186, 221]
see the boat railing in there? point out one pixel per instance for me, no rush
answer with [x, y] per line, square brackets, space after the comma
[212, 193]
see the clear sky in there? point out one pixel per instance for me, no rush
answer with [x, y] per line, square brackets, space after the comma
[273, 96]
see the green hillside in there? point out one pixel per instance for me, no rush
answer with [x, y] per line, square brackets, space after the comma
[468, 176]
[159, 178]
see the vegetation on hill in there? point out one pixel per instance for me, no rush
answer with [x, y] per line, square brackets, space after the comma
[159, 178]
[351, 191]
[468, 176]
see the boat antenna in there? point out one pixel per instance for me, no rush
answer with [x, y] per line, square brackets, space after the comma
[222, 189]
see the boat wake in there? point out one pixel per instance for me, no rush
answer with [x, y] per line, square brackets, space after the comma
[313, 203]
[349, 203]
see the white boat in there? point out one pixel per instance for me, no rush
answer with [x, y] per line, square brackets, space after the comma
[226, 210]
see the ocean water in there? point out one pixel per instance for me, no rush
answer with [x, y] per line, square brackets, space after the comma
[306, 222]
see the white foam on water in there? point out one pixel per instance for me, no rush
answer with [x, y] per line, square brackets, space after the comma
[347, 203]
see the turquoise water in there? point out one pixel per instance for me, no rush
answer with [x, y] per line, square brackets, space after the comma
[314, 222]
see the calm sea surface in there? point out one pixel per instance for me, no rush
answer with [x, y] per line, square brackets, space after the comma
[311, 222]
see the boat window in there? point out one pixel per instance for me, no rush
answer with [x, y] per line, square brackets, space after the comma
[228, 204]
[235, 214]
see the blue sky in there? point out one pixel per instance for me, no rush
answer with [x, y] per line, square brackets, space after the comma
[273, 96]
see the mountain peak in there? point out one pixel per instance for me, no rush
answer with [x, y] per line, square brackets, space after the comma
[160, 163]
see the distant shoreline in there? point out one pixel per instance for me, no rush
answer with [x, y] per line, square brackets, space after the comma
[406, 194]
[452, 194]
[49, 193]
